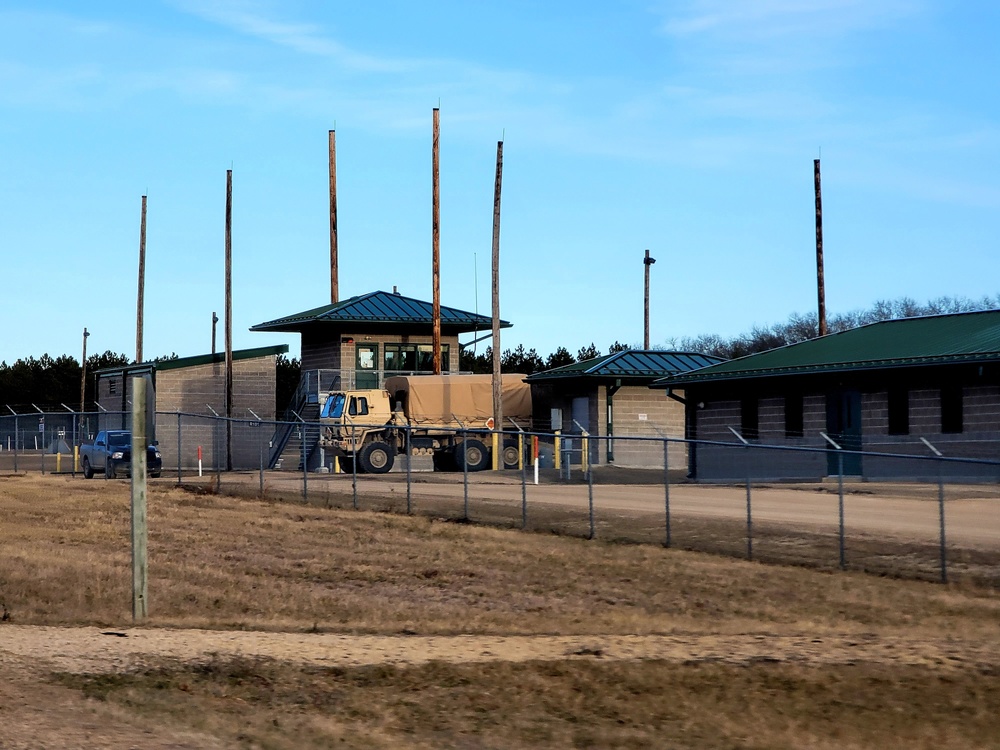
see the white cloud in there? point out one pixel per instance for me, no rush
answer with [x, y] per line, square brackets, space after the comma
[253, 20]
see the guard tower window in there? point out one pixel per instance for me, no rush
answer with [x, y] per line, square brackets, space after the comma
[113, 386]
[951, 408]
[750, 418]
[899, 411]
[794, 415]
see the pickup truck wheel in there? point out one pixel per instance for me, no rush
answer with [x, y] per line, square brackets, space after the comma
[109, 470]
[88, 470]
[473, 454]
[376, 457]
[510, 454]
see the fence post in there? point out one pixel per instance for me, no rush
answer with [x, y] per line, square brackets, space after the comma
[140, 443]
[465, 477]
[666, 486]
[840, 495]
[180, 452]
[524, 482]
[15, 442]
[354, 464]
[746, 444]
[260, 449]
[590, 493]
[409, 469]
[940, 472]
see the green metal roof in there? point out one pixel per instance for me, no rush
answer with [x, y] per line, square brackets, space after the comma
[631, 364]
[909, 342]
[381, 308]
[207, 359]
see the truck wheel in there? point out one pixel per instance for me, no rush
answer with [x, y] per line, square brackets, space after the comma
[444, 460]
[109, 470]
[510, 454]
[88, 470]
[377, 457]
[473, 454]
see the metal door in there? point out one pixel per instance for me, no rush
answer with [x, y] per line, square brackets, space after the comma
[843, 424]
[366, 369]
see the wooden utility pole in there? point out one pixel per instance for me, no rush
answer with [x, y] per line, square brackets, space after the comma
[229, 318]
[820, 283]
[334, 273]
[142, 283]
[497, 382]
[647, 262]
[140, 440]
[436, 242]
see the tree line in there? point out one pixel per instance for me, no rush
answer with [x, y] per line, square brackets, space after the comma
[51, 383]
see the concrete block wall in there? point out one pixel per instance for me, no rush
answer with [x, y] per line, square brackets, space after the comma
[192, 390]
[646, 413]
[326, 353]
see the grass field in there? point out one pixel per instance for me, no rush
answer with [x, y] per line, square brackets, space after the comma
[721, 653]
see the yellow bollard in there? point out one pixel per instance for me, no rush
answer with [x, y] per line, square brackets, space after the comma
[336, 464]
[585, 455]
[520, 451]
[497, 458]
[58, 462]
[557, 457]
[76, 458]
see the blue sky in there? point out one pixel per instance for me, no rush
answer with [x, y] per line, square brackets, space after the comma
[686, 127]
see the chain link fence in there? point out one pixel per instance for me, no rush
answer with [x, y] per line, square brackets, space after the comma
[920, 511]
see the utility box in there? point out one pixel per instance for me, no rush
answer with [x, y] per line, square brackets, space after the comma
[556, 419]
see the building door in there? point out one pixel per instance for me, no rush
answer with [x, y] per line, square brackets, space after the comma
[580, 410]
[843, 424]
[366, 370]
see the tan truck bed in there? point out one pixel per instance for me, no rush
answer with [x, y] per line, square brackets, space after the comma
[459, 400]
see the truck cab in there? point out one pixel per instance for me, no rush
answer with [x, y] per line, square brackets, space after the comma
[357, 425]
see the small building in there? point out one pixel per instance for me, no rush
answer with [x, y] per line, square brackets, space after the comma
[358, 343]
[878, 388]
[610, 395]
[188, 390]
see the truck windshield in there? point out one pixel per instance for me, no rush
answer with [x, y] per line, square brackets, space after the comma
[119, 439]
[334, 406]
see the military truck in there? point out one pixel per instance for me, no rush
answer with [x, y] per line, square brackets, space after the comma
[448, 417]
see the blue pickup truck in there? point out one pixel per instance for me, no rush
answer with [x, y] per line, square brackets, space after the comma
[111, 453]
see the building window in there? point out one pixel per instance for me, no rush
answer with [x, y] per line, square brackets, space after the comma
[951, 408]
[899, 411]
[113, 386]
[414, 358]
[750, 418]
[794, 416]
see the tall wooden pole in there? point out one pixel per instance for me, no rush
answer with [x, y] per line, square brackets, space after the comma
[83, 382]
[142, 283]
[140, 440]
[497, 390]
[820, 282]
[647, 262]
[436, 241]
[229, 318]
[334, 272]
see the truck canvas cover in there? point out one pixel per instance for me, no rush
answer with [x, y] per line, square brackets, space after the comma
[440, 399]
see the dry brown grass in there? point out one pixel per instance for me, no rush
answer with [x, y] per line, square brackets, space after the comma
[236, 563]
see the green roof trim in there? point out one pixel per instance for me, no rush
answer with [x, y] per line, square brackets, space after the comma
[908, 342]
[631, 364]
[207, 359]
[381, 308]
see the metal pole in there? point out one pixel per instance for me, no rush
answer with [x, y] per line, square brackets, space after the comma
[749, 512]
[260, 450]
[409, 478]
[666, 487]
[305, 467]
[180, 452]
[83, 382]
[354, 464]
[590, 500]
[840, 494]
[15, 442]
[465, 477]
[840, 506]
[940, 468]
[524, 490]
